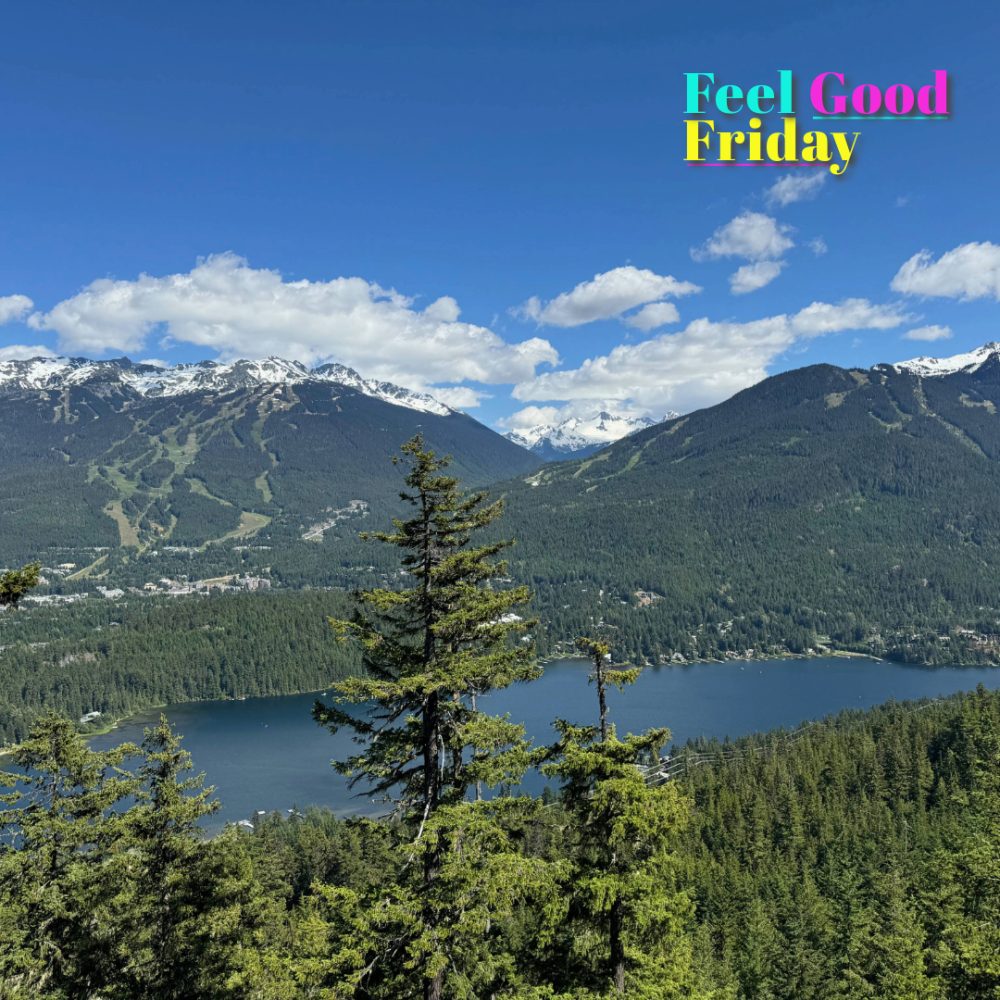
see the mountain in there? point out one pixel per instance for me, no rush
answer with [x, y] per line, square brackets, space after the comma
[124, 473]
[56, 374]
[577, 437]
[969, 362]
[821, 508]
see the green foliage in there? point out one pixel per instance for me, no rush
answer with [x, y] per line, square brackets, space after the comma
[58, 866]
[123, 658]
[857, 860]
[628, 932]
[430, 650]
[15, 583]
[107, 887]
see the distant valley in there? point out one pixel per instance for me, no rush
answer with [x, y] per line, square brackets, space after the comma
[823, 509]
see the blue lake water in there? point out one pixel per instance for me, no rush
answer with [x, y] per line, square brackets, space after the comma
[268, 754]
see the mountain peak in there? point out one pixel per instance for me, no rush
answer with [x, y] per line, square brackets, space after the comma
[55, 374]
[970, 361]
[579, 436]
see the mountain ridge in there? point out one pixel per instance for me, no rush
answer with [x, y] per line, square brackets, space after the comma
[969, 361]
[822, 508]
[578, 437]
[154, 381]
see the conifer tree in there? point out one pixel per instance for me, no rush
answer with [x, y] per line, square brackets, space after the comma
[164, 951]
[15, 583]
[968, 873]
[629, 928]
[59, 826]
[430, 650]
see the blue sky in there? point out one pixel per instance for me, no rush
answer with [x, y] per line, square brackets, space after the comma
[458, 159]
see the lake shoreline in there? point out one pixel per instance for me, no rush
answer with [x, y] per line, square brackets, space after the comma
[266, 754]
[105, 728]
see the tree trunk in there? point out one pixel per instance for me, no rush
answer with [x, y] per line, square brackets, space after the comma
[434, 988]
[602, 697]
[617, 947]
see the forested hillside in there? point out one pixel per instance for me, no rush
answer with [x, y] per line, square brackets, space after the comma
[121, 659]
[855, 509]
[129, 488]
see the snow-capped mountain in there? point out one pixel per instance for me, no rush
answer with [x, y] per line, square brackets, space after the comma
[576, 437]
[969, 362]
[55, 374]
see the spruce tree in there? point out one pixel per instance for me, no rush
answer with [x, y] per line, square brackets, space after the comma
[163, 951]
[431, 649]
[59, 826]
[629, 928]
[15, 583]
[967, 873]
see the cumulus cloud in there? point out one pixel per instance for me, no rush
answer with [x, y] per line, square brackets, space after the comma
[795, 187]
[13, 307]
[751, 235]
[970, 271]
[22, 352]
[459, 397]
[654, 315]
[818, 246]
[532, 416]
[605, 296]
[851, 314]
[237, 310]
[934, 332]
[750, 277]
[702, 364]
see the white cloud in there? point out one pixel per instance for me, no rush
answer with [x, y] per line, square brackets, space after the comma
[22, 352]
[795, 187]
[751, 235]
[239, 311]
[459, 397]
[851, 314]
[605, 296]
[445, 309]
[654, 315]
[702, 364]
[970, 271]
[14, 307]
[750, 277]
[928, 333]
[155, 362]
[531, 416]
[818, 246]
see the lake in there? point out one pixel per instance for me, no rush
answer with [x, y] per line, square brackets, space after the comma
[268, 754]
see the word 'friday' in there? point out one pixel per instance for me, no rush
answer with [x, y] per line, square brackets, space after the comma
[778, 147]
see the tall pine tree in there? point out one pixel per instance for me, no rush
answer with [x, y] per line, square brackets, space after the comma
[431, 649]
[629, 932]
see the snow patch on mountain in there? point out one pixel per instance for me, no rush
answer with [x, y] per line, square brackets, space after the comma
[968, 362]
[575, 435]
[55, 374]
